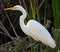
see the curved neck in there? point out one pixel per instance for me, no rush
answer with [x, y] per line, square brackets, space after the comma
[22, 17]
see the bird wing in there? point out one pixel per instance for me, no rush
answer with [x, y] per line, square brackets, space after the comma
[38, 32]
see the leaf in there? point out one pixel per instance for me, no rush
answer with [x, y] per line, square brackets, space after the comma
[56, 13]
[56, 33]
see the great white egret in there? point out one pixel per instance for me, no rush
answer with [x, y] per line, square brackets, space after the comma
[33, 28]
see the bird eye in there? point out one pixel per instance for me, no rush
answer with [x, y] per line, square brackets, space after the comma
[15, 7]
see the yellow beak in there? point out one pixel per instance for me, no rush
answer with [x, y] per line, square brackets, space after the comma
[11, 8]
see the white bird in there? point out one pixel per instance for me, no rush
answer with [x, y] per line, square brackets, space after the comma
[33, 28]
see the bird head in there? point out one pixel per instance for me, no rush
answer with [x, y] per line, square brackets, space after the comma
[17, 7]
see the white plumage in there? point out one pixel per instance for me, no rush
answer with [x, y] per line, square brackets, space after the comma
[39, 33]
[34, 29]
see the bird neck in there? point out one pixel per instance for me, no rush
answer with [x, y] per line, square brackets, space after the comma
[22, 17]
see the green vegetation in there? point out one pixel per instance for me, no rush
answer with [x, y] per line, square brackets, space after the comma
[56, 13]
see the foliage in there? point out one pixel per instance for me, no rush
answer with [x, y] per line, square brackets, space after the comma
[56, 13]
[56, 33]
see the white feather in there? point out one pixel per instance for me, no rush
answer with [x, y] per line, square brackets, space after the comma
[39, 33]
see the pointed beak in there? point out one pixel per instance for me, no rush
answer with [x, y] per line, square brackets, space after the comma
[11, 8]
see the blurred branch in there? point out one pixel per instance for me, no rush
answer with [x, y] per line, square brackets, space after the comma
[3, 33]
[7, 35]
[5, 30]
[9, 20]
[20, 2]
[13, 23]
[26, 8]
[7, 43]
[39, 6]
